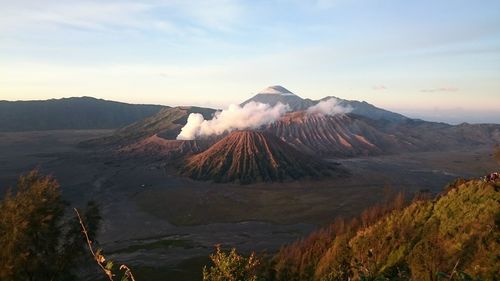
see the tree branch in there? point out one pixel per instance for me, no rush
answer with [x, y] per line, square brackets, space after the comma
[98, 258]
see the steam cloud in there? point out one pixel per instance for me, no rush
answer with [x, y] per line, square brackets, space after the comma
[251, 116]
[329, 107]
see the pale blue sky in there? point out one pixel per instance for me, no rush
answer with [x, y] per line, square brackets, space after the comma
[423, 58]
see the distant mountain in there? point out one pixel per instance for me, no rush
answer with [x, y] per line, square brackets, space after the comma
[365, 109]
[366, 130]
[432, 136]
[166, 124]
[249, 156]
[351, 135]
[274, 94]
[338, 135]
[70, 113]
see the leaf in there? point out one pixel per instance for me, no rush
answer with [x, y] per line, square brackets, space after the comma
[442, 275]
[464, 276]
[109, 265]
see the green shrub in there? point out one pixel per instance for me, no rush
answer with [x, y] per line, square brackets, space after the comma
[418, 242]
[231, 267]
[35, 242]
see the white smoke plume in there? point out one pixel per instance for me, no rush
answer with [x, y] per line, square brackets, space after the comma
[251, 116]
[329, 107]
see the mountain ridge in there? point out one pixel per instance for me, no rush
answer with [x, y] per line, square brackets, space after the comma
[339, 135]
[166, 124]
[71, 113]
[297, 103]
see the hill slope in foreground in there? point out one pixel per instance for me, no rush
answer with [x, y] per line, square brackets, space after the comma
[249, 156]
[458, 231]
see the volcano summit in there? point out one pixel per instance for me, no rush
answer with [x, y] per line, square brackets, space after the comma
[278, 94]
[276, 90]
[250, 156]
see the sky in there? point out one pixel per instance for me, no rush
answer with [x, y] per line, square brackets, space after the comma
[437, 60]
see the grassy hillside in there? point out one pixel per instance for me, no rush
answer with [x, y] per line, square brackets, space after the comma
[456, 232]
[70, 113]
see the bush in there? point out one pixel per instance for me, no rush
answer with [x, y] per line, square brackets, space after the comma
[418, 242]
[35, 243]
[231, 267]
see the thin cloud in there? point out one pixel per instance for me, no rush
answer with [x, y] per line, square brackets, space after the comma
[176, 17]
[221, 15]
[379, 88]
[441, 89]
[86, 15]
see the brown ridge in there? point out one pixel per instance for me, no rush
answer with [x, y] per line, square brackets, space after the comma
[337, 136]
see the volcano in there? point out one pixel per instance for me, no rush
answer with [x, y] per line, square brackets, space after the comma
[340, 135]
[249, 156]
[273, 95]
[365, 130]
[279, 94]
[156, 147]
[351, 135]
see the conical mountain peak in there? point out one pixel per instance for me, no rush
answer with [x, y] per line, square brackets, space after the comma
[276, 90]
[249, 156]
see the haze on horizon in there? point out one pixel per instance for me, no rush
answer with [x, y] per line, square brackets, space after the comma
[436, 60]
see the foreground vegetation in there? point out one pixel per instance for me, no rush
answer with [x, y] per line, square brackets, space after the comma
[454, 236]
[36, 242]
